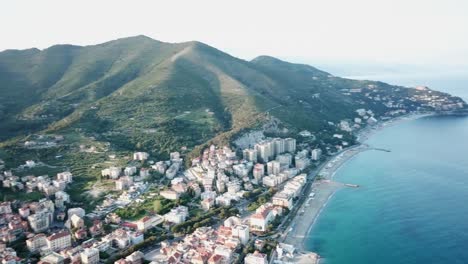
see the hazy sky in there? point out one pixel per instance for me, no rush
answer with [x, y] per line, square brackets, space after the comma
[396, 31]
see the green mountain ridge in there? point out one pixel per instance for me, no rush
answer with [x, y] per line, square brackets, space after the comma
[162, 96]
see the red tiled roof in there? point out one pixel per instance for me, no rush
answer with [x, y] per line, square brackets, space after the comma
[58, 235]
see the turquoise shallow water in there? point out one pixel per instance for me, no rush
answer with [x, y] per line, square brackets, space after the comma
[412, 206]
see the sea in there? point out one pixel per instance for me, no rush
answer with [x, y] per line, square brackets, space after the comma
[412, 203]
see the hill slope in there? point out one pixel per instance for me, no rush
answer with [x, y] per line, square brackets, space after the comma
[141, 93]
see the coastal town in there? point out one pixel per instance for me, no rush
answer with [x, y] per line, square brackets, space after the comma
[230, 204]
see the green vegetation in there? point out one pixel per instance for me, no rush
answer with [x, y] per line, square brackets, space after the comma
[156, 204]
[259, 199]
[205, 219]
[7, 194]
[319, 177]
[141, 94]
[160, 96]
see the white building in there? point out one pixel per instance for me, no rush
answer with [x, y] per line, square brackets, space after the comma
[242, 233]
[129, 171]
[284, 159]
[65, 176]
[250, 155]
[53, 258]
[36, 243]
[58, 241]
[77, 210]
[371, 120]
[223, 200]
[232, 221]
[112, 172]
[140, 156]
[279, 145]
[208, 194]
[265, 150]
[224, 251]
[207, 204]
[144, 173]
[177, 215]
[273, 167]
[40, 221]
[76, 221]
[90, 256]
[241, 170]
[149, 222]
[5, 208]
[316, 154]
[283, 199]
[256, 258]
[172, 171]
[123, 183]
[170, 194]
[258, 172]
[135, 258]
[175, 156]
[260, 220]
[61, 195]
[160, 167]
[290, 145]
[302, 162]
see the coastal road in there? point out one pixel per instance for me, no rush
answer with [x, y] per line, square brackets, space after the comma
[304, 195]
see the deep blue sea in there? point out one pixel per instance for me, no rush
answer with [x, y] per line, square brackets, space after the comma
[412, 206]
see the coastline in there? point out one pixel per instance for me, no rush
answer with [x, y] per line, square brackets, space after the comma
[324, 189]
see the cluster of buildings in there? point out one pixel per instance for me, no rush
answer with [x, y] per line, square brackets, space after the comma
[125, 177]
[132, 183]
[63, 245]
[282, 199]
[34, 220]
[52, 229]
[422, 99]
[11, 225]
[363, 117]
[290, 191]
[268, 149]
[436, 101]
[43, 141]
[36, 183]
[8, 255]
[39, 224]
[209, 245]
[59, 234]
[222, 176]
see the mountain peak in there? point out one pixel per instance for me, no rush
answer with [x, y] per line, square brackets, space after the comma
[263, 58]
[138, 37]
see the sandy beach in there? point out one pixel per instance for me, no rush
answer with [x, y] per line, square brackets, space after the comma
[322, 190]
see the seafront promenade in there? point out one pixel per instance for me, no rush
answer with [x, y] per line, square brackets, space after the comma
[322, 190]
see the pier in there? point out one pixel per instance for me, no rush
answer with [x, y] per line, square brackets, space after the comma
[381, 149]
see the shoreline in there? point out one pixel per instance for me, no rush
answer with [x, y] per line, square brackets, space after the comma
[324, 190]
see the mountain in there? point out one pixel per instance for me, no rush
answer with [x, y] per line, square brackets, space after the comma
[139, 93]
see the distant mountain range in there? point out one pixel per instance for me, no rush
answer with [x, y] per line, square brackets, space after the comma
[138, 91]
